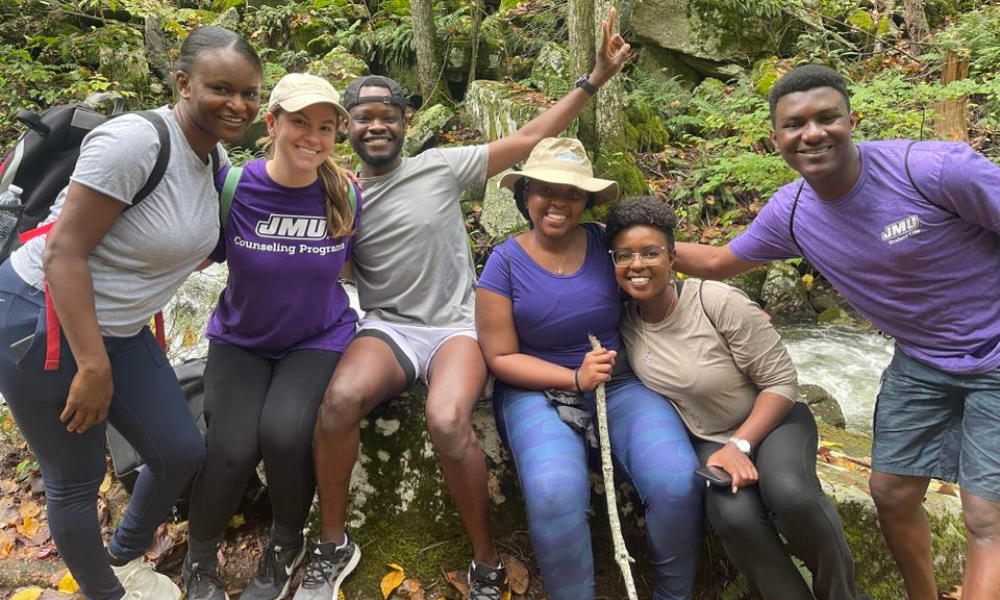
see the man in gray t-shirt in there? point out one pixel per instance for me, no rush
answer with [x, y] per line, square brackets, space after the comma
[415, 280]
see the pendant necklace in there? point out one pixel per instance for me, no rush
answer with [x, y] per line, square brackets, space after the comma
[647, 357]
[557, 267]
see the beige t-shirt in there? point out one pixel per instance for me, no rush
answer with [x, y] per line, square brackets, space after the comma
[712, 374]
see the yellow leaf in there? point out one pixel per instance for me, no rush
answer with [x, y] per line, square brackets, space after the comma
[340, 595]
[30, 509]
[67, 584]
[237, 521]
[29, 527]
[31, 593]
[106, 484]
[190, 339]
[831, 445]
[392, 579]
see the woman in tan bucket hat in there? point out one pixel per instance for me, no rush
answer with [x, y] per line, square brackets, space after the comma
[279, 330]
[540, 294]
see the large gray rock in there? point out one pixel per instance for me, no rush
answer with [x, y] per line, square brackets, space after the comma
[498, 109]
[426, 124]
[551, 71]
[823, 405]
[500, 217]
[667, 24]
[784, 295]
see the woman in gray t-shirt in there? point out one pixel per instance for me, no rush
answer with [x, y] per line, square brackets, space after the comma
[105, 268]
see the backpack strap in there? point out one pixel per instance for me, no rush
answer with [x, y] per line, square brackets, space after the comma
[162, 157]
[701, 300]
[227, 194]
[791, 227]
[913, 183]
[352, 198]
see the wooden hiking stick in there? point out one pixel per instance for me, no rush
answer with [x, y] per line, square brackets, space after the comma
[621, 552]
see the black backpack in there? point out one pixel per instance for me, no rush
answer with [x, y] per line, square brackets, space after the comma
[43, 158]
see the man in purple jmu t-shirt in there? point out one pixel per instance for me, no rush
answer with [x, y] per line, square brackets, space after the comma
[909, 233]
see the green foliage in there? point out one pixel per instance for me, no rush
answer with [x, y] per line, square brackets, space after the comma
[976, 36]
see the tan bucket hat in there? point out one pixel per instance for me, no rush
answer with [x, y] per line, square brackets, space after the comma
[563, 161]
[296, 91]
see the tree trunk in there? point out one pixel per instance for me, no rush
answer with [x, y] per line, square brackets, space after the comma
[916, 23]
[950, 115]
[580, 21]
[477, 21]
[611, 99]
[429, 72]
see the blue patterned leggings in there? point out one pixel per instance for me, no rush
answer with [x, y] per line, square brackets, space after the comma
[648, 441]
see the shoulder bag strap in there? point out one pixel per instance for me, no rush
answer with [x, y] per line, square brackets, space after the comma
[227, 194]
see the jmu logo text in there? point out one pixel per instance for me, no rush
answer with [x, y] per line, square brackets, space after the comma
[292, 227]
[900, 230]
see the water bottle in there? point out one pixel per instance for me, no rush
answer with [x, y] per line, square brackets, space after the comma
[10, 212]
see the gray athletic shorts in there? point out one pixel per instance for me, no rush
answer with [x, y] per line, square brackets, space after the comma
[929, 423]
[413, 345]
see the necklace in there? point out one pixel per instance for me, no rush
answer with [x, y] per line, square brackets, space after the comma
[557, 267]
[648, 357]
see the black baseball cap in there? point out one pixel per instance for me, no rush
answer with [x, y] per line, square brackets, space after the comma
[352, 97]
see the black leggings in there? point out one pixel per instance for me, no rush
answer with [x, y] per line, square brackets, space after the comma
[258, 407]
[787, 499]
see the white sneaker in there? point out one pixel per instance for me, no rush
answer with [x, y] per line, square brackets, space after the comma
[138, 577]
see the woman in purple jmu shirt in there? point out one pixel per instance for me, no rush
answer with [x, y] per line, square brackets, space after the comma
[540, 294]
[279, 329]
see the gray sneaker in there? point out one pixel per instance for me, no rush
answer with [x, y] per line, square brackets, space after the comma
[327, 570]
[485, 582]
[274, 573]
[201, 581]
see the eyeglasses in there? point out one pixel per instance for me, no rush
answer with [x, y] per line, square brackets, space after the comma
[649, 256]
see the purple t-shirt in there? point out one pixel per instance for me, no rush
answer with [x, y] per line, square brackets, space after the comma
[927, 274]
[554, 313]
[283, 292]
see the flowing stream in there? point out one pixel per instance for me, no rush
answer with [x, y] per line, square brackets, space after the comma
[846, 362]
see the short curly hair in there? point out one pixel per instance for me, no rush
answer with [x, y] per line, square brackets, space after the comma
[641, 210]
[521, 199]
[805, 78]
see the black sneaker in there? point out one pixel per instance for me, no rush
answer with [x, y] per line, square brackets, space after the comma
[485, 582]
[327, 570]
[274, 573]
[201, 581]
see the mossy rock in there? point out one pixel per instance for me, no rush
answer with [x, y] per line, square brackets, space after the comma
[499, 109]
[339, 67]
[834, 315]
[620, 167]
[823, 405]
[644, 131]
[784, 295]
[550, 71]
[751, 282]
[426, 124]
[228, 19]
[500, 217]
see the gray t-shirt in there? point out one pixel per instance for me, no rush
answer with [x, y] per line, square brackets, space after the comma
[412, 259]
[152, 248]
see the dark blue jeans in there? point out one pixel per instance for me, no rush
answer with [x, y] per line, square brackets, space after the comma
[147, 407]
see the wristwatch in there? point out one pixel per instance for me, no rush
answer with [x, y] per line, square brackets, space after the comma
[741, 444]
[584, 83]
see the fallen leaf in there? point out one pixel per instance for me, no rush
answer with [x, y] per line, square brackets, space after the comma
[162, 543]
[7, 542]
[460, 581]
[106, 484]
[67, 584]
[948, 490]
[31, 593]
[7, 487]
[392, 579]
[237, 521]
[30, 509]
[29, 527]
[517, 574]
[410, 589]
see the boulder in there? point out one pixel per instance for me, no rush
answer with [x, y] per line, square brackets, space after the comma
[230, 19]
[339, 67]
[784, 295]
[660, 64]
[551, 71]
[401, 513]
[500, 217]
[498, 109]
[670, 25]
[834, 315]
[426, 124]
[823, 405]
[751, 282]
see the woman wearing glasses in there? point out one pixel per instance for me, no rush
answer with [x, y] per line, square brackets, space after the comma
[540, 294]
[709, 349]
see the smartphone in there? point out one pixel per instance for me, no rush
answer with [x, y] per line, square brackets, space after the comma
[715, 476]
[20, 347]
